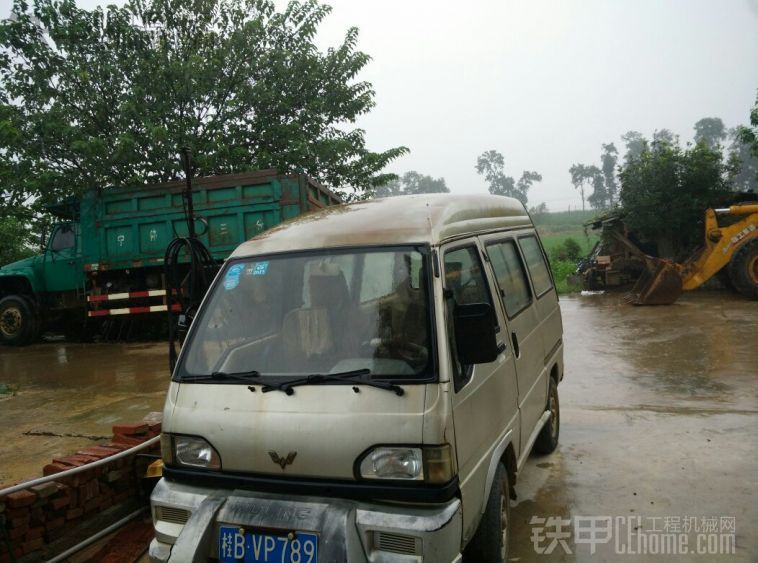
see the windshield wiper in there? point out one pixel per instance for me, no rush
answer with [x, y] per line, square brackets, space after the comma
[341, 377]
[248, 376]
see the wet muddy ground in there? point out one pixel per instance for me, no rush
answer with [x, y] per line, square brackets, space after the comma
[68, 396]
[659, 427]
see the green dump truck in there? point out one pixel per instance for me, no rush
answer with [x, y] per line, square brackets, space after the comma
[104, 259]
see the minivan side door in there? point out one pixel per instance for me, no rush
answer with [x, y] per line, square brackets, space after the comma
[548, 311]
[484, 399]
[517, 300]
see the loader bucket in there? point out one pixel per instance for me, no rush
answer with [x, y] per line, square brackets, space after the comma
[659, 284]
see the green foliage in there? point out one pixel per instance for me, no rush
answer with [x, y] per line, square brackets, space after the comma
[635, 143]
[562, 269]
[569, 250]
[105, 98]
[609, 160]
[711, 131]
[540, 209]
[15, 240]
[583, 176]
[748, 137]
[491, 165]
[666, 190]
[412, 183]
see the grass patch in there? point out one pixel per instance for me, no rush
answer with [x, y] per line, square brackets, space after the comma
[555, 229]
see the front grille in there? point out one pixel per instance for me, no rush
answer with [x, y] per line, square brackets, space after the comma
[397, 543]
[172, 515]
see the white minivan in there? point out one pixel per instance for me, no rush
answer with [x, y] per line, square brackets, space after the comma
[363, 383]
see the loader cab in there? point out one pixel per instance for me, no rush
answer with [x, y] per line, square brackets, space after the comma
[363, 384]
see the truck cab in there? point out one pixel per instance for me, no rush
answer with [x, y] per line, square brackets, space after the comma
[363, 383]
[37, 290]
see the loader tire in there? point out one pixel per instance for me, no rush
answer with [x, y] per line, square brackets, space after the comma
[743, 269]
[18, 321]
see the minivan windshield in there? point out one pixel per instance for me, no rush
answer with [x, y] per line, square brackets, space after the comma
[322, 312]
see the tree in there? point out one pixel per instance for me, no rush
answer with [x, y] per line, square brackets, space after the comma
[105, 98]
[663, 136]
[528, 177]
[15, 240]
[749, 135]
[711, 131]
[665, 191]
[412, 183]
[540, 209]
[608, 162]
[582, 176]
[635, 143]
[744, 163]
[491, 165]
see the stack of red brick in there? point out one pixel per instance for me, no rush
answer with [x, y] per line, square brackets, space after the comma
[39, 515]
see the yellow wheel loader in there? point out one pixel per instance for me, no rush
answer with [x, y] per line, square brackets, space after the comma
[732, 248]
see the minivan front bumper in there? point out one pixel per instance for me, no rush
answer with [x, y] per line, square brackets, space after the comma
[187, 519]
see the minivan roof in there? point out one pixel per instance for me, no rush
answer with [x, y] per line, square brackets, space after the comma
[425, 218]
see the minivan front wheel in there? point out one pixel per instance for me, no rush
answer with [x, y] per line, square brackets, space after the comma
[492, 538]
[547, 440]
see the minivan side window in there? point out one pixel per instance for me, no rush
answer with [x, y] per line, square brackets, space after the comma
[464, 284]
[535, 262]
[511, 276]
[464, 277]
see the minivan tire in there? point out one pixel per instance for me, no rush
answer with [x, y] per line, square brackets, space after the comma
[547, 439]
[492, 538]
[18, 321]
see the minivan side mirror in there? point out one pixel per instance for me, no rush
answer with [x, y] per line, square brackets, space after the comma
[475, 336]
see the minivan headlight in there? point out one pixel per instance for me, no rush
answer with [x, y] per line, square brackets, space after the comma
[431, 464]
[191, 451]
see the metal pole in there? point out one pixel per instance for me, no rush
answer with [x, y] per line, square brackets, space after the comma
[187, 164]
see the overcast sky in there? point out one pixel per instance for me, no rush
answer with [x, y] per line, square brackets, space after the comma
[543, 82]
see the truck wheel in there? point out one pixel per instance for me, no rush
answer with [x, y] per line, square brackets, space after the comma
[743, 269]
[492, 538]
[18, 322]
[547, 440]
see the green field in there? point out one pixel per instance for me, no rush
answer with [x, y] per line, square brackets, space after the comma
[555, 229]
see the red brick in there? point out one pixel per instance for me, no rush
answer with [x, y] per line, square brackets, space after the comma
[45, 489]
[54, 467]
[97, 451]
[60, 502]
[52, 535]
[17, 533]
[88, 490]
[122, 497]
[131, 429]
[128, 440]
[74, 513]
[116, 446]
[21, 498]
[34, 533]
[18, 512]
[33, 545]
[55, 523]
[38, 516]
[19, 521]
[91, 505]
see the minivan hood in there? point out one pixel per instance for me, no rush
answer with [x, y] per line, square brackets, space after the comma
[328, 426]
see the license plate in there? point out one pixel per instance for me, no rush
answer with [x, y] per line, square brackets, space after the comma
[254, 547]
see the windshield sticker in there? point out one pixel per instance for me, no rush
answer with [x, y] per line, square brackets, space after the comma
[260, 268]
[232, 278]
